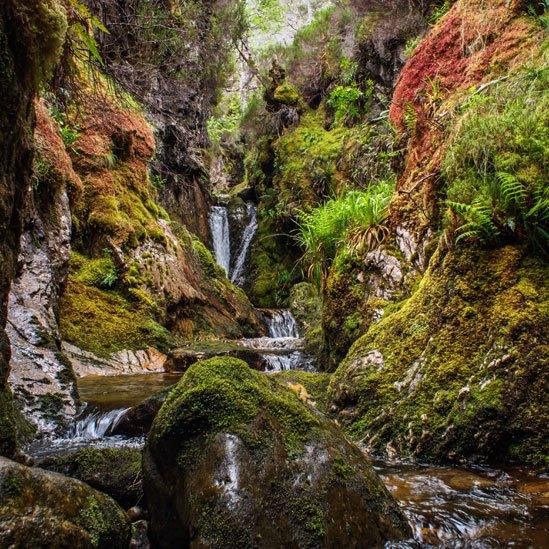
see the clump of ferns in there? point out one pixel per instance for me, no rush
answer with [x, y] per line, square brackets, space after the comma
[511, 211]
[355, 221]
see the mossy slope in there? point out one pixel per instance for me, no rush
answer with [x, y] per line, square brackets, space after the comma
[456, 371]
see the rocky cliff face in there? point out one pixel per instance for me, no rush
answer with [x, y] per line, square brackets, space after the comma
[40, 375]
[174, 58]
[103, 267]
[31, 36]
[456, 395]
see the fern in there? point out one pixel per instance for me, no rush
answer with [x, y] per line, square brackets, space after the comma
[478, 221]
[513, 192]
[80, 29]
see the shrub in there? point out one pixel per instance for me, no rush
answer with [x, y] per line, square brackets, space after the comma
[497, 164]
[346, 102]
[354, 220]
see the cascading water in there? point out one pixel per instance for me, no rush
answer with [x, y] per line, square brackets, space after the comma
[95, 425]
[218, 220]
[282, 324]
[283, 348]
[237, 274]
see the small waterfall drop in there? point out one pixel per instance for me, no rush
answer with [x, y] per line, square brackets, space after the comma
[95, 426]
[282, 349]
[218, 220]
[282, 324]
[237, 275]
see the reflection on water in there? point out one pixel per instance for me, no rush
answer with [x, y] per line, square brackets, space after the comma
[455, 507]
[105, 393]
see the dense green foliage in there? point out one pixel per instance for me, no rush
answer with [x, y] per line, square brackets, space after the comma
[355, 219]
[497, 164]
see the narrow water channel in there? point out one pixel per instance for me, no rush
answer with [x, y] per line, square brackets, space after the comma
[446, 506]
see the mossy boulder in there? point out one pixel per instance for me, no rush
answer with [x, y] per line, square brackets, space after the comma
[236, 459]
[114, 471]
[43, 509]
[457, 370]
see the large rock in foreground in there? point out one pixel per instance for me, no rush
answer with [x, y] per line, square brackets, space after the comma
[114, 471]
[234, 459]
[43, 509]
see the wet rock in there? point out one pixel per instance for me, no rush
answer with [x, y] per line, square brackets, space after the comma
[43, 509]
[114, 471]
[31, 39]
[138, 419]
[85, 363]
[40, 376]
[236, 459]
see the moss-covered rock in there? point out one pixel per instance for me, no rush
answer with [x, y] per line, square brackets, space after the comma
[114, 471]
[43, 509]
[455, 371]
[235, 459]
[310, 387]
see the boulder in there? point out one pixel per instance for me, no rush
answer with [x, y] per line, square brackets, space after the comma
[137, 420]
[39, 508]
[115, 471]
[236, 459]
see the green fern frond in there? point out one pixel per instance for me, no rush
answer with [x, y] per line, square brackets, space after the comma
[512, 190]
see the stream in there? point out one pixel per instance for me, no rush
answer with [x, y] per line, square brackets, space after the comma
[473, 507]
[446, 506]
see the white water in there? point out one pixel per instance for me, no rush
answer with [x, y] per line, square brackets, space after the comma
[282, 324]
[227, 478]
[218, 219]
[95, 425]
[237, 275]
[283, 349]
[91, 429]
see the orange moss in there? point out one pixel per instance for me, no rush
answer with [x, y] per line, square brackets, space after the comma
[50, 149]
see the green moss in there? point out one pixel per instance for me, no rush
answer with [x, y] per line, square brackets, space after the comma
[287, 94]
[114, 471]
[306, 161]
[461, 362]
[100, 272]
[105, 322]
[209, 265]
[496, 162]
[316, 385]
[103, 528]
[225, 395]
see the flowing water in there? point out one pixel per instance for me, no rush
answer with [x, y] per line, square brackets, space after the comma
[218, 220]
[469, 508]
[283, 349]
[106, 399]
[237, 273]
[446, 506]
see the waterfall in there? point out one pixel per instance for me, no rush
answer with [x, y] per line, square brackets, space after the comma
[237, 275]
[218, 220]
[95, 425]
[282, 324]
[282, 349]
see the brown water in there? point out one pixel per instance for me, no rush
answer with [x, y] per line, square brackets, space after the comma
[446, 506]
[481, 507]
[112, 392]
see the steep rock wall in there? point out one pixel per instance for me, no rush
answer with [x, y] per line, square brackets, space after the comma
[31, 35]
[475, 309]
